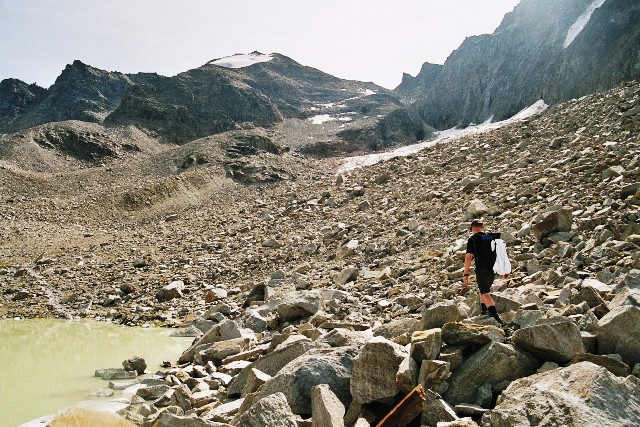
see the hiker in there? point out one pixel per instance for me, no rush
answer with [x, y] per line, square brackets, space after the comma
[479, 249]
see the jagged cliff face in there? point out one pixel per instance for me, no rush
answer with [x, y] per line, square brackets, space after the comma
[544, 49]
[411, 87]
[81, 92]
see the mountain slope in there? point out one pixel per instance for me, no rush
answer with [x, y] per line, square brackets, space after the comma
[527, 59]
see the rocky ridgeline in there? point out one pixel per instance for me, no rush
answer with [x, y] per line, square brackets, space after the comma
[322, 301]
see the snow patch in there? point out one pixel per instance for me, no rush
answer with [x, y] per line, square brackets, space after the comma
[367, 92]
[581, 22]
[537, 107]
[242, 60]
[351, 163]
[320, 119]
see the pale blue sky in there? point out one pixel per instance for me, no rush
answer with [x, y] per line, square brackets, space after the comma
[369, 40]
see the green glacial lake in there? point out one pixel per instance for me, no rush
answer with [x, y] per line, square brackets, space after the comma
[47, 365]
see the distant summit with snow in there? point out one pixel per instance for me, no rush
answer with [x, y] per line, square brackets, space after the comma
[544, 50]
[241, 60]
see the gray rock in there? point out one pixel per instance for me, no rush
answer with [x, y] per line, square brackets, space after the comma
[434, 374]
[618, 332]
[616, 367]
[399, 330]
[426, 344]
[347, 275]
[526, 318]
[272, 411]
[580, 394]
[299, 304]
[589, 295]
[342, 337]
[476, 208]
[270, 364]
[374, 370]
[115, 374]
[407, 375]
[255, 321]
[554, 342]
[327, 410]
[560, 220]
[436, 315]
[102, 392]
[171, 291]
[220, 350]
[135, 363]
[462, 422]
[153, 392]
[436, 410]
[255, 380]
[496, 364]
[215, 294]
[318, 366]
[181, 397]
[461, 333]
[484, 397]
[167, 419]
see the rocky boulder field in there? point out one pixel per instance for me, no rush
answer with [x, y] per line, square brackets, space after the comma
[322, 296]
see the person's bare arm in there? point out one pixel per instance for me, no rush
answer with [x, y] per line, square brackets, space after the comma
[467, 266]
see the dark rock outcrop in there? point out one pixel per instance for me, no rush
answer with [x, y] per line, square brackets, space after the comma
[17, 97]
[531, 56]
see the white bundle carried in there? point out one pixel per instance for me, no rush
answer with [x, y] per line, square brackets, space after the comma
[502, 265]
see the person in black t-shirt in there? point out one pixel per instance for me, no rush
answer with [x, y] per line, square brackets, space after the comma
[484, 261]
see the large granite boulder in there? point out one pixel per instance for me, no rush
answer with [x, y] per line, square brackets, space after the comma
[436, 315]
[327, 410]
[555, 342]
[319, 366]
[374, 370]
[619, 332]
[578, 395]
[298, 305]
[272, 410]
[496, 364]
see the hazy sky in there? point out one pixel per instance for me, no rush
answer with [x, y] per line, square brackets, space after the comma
[369, 40]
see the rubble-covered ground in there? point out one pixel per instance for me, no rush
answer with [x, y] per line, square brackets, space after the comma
[290, 277]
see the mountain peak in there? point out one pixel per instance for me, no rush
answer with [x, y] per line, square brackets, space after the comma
[241, 60]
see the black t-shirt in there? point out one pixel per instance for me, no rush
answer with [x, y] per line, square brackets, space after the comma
[479, 245]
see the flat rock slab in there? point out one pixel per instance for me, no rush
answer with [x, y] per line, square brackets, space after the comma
[555, 342]
[614, 366]
[115, 374]
[465, 333]
[583, 394]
